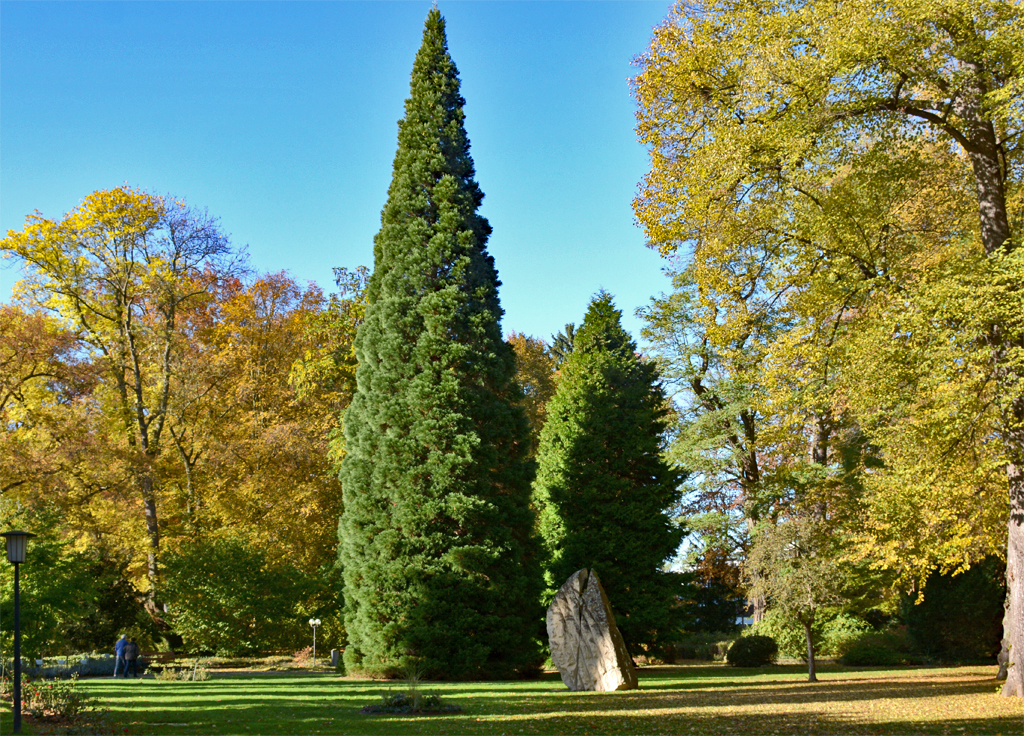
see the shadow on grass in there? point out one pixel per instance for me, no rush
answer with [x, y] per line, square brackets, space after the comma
[687, 700]
[669, 694]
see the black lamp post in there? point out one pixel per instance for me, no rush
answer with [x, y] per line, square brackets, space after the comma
[17, 542]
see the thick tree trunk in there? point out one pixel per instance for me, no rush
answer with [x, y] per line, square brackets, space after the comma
[811, 676]
[990, 182]
[989, 186]
[751, 475]
[1012, 656]
[821, 435]
[977, 135]
[1004, 651]
[759, 607]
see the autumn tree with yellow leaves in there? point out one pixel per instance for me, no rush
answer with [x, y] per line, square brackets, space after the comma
[857, 165]
[535, 373]
[119, 270]
[160, 397]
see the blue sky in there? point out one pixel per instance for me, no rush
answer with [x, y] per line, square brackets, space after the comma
[280, 118]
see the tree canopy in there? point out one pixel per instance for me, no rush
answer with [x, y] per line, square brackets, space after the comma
[147, 400]
[849, 174]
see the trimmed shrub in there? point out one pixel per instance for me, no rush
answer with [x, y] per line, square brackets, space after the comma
[878, 649]
[711, 646]
[753, 651]
[83, 665]
[829, 632]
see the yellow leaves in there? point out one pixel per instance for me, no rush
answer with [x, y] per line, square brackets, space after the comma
[833, 245]
[929, 510]
[739, 102]
[71, 264]
[535, 373]
[117, 213]
[258, 398]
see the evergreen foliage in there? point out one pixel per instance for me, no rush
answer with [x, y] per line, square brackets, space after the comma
[752, 651]
[961, 616]
[603, 489]
[561, 343]
[440, 561]
[714, 606]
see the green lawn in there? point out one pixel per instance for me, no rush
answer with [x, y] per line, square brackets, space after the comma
[672, 700]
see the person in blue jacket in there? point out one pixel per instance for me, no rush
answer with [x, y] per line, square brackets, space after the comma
[120, 665]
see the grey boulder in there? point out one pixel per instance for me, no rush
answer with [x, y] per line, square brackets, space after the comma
[586, 645]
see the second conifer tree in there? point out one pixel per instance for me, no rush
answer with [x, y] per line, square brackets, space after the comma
[603, 489]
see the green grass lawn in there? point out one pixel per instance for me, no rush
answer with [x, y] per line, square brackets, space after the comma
[671, 700]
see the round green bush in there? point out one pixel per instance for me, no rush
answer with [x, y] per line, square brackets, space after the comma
[752, 651]
[836, 632]
[876, 649]
[787, 632]
[831, 628]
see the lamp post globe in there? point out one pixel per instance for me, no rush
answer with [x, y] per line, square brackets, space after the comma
[17, 546]
[314, 622]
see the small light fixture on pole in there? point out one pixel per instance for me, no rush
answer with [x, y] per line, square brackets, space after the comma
[314, 622]
[17, 543]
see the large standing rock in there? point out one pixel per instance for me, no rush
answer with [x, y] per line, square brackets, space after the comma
[586, 645]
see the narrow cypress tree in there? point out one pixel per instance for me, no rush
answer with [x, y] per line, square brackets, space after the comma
[603, 488]
[440, 560]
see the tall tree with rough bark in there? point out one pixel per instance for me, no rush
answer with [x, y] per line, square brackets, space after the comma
[440, 560]
[751, 109]
[604, 492]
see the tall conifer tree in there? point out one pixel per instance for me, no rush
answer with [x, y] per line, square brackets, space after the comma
[440, 560]
[603, 489]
